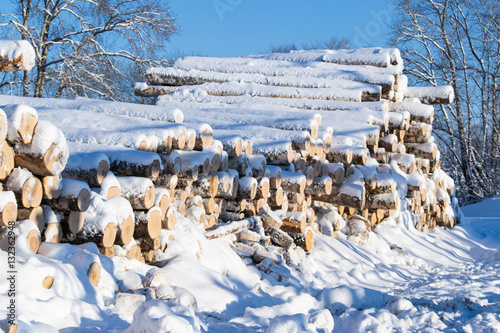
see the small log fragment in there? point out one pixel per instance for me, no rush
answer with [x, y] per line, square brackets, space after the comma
[94, 273]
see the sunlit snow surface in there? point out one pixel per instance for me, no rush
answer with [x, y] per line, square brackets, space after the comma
[399, 281]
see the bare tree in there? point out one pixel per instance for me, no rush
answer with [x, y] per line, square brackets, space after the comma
[82, 46]
[457, 42]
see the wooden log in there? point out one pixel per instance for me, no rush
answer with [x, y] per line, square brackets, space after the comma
[247, 188]
[276, 152]
[125, 232]
[8, 207]
[340, 154]
[270, 219]
[236, 205]
[129, 162]
[276, 197]
[162, 200]
[72, 222]
[360, 228]
[389, 142]
[383, 201]
[21, 122]
[304, 240]
[6, 159]
[215, 156]
[320, 185]
[52, 186]
[359, 155]
[274, 176]
[209, 205]
[239, 164]
[192, 160]
[148, 224]
[345, 194]
[75, 195]
[34, 214]
[139, 191]
[171, 163]
[258, 165]
[281, 238]
[406, 162]
[231, 228]
[26, 187]
[293, 182]
[205, 186]
[336, 172]
[90, 167]
[263, 188]
[295, 221]
[100, 229]
[423, 150]
[197, 216]
[47, 153]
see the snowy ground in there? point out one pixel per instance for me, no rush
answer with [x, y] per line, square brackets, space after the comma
[399, 281]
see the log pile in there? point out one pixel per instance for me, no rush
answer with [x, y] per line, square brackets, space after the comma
[233, 163]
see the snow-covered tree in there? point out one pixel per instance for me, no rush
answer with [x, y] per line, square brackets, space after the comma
[457, 43]
[85, 47]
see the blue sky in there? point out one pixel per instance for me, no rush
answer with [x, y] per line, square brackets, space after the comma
[240, 27]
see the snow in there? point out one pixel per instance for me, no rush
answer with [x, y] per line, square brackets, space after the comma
[368, 74]
[375, 56]
[7, 197]
[13, 49]
[339, 285]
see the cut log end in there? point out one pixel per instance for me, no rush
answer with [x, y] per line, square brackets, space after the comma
[94, 273]
[9, 213]
[154, 224]
[48, 282]
[102, 171]
[126, 231]
[32, 193]
[34, 240]
[109, 235]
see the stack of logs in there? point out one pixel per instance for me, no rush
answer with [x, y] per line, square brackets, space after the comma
[273, 194]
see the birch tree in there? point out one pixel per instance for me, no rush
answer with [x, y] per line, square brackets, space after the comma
[457, 43]
[84, 47]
